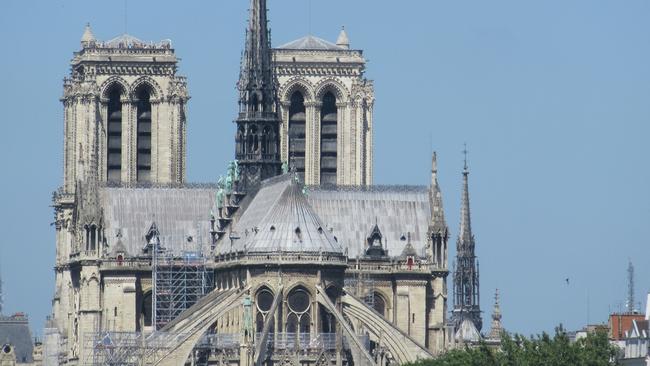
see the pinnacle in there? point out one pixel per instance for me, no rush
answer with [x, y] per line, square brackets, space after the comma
[87, 36]
[343, 40]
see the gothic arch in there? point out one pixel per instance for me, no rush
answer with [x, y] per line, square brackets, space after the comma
[332, 85]
[304, 286]
[297, 84]
[147, 82]
[112, 82]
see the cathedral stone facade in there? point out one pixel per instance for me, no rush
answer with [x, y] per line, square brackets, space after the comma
[293, 257]
[326, 109]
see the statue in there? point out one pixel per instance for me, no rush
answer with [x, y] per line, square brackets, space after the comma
[285, 168]
[220, 193]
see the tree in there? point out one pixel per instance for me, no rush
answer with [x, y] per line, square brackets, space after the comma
[517, 350]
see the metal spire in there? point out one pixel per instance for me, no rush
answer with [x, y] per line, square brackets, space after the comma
[258, 124]
[466, 276]
[256, 83]
[2, 298]
[465, 237]
[630, 288]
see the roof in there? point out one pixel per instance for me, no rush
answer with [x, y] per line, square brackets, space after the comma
[467, 332]
[311, 43]
[279, 219]
[88, 35]
[15, 331]
[124, 40]
[181, 214]
[352, 212]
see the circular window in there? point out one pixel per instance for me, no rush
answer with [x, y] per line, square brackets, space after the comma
[6, 348]
[264, 300]
[299, 301]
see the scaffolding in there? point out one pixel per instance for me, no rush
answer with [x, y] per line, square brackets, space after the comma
[179, 282]
[362, 286]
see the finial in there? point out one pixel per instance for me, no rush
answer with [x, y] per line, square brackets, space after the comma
[88, 37]
[343, 41]
[434, 163]
[465, 154]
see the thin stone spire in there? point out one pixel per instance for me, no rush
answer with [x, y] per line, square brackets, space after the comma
[439, 225]
[497, 328]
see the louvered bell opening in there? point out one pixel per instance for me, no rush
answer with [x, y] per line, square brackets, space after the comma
[144, 142]
[298, 117]
[115, 115]
[144, 160]
[328, 163]
[145, 115]
[330, 117]
[114, 143]
[144, 127]
[114, 127]
[327, 178]
[328, 129]
[328, 146]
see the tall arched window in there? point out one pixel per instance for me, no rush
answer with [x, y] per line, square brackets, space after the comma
[146, 309]
[328, 136]
[114, 137]
[264, 302]
[298, 320]
[144, 136]
[297, 119]
[379, 304]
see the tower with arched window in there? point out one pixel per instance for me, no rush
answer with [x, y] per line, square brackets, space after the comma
[124, 125]
[326, 110]
[124, 113]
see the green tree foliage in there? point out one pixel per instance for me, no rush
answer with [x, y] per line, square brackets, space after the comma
[544, 350]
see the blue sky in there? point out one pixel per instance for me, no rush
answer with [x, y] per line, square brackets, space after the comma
[552, 98]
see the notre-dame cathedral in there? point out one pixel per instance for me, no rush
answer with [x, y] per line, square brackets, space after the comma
[292, 257]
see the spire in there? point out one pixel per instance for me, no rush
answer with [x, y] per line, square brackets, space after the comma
[497, 328]
[258, 124]
[438, 222]
[630, 289]
[465, 237]
[88, 37]
[466, 275]
[343, 40]
[256, 84]
[2, 298]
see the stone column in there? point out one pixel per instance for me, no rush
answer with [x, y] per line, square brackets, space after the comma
[284, 130]
[128, 143]
[160, 139]
[340, 143]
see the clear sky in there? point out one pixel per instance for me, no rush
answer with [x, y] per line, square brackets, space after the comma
[552, 98]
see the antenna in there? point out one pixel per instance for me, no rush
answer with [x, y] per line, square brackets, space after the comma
[126, 16]
[1, 293]
[309, 18]
[630, 288]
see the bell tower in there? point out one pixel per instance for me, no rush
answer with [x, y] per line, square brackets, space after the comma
[124, 113]
[257, 138]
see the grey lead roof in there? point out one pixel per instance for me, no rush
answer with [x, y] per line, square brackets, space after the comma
[347, 215]
[311, 43]
[279, 219]
[351, 213]
[181, 214]
[15, 331]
